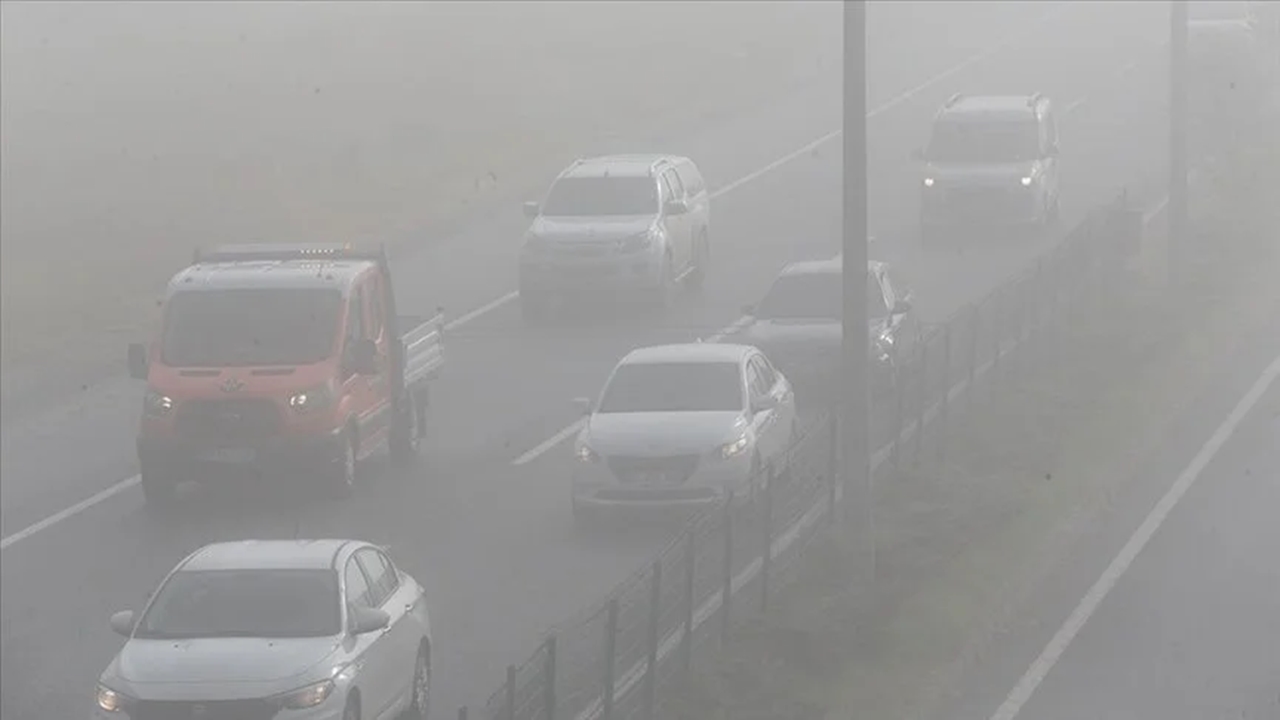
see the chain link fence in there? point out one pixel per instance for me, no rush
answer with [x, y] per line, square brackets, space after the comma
[619, 659]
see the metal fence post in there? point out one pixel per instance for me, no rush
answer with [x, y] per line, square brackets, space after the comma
[686, 641]
[651, 662]
[899, 393]
[511, 692]
[766, 557]
[610, 650]
[833, 472]
[726, 589]
[997, 334]
[944, 410]
[549, 691]
[973, 355]
[922, 394]
[462, 713]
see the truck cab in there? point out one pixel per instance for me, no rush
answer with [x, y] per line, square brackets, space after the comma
[281, 359]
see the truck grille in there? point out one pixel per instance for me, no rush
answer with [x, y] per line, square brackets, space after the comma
[240, 420]
[211, 710]
[654, 470]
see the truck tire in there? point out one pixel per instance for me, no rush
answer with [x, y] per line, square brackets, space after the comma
[409, 430]
[159, 487]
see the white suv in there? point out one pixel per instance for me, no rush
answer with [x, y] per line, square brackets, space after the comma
[616, 226]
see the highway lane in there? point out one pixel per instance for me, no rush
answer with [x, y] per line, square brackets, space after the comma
[488, 538]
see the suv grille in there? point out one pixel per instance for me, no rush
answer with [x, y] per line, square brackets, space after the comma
[240, 420]
[655, 470]
[211, 710]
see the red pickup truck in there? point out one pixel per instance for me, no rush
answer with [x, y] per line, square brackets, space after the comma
[279, 359]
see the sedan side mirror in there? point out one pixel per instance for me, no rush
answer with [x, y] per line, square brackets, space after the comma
[531, 209]
[137, 361]
[367, 620]
[675, 207]
[583, 404]
[122, 623]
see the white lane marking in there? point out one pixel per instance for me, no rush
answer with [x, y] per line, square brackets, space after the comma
[1089, 604]
[810, 147]
[564, 434]
[72, 511]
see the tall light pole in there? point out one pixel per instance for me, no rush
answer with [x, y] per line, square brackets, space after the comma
[1178, 168]
[855, 416]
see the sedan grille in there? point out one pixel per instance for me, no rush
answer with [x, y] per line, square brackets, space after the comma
[211, 710]
[653, 470]
[240, 420]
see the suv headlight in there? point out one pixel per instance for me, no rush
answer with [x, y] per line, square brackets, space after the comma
[112, 701]
[156, 404]
[585, 454]
[307, 697]
[736, 447]
[316, 398]
[1027, 180]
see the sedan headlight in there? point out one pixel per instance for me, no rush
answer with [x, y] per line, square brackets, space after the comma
[111, 701]
[307, 697]
[1027, 180]
[316, 398]
[735, 448]
[157, 404]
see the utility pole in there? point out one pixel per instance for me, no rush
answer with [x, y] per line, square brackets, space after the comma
[1178, 240]
[855, 400]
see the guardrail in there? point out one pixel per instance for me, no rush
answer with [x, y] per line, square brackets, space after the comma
[621, 657]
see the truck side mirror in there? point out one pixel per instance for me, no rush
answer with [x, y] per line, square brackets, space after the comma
[137, 361]
[362, 357]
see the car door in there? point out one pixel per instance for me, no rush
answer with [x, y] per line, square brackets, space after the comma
[1050, 152]
[786, 398]
[678, 230]
[765, 422]
[776, 388]
[378, 677]
[356, 388]
[378, 330]
[401, 634]
[699, 202]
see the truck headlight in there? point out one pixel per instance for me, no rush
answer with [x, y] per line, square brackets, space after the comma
[316, 398]
[157, 404]
[736, 447]
[111, 701]
[928, 182]
[307, 697]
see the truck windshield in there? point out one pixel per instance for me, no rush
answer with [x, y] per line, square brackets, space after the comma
[984, 142]
[674, 387]
[602, 196]
[815, 296]
[251, 326]
[245, 603]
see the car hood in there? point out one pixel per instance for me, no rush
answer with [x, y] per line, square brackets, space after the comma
[992, 174]
[591, 229]
[661, 433]
[214, 661]
[767, 334]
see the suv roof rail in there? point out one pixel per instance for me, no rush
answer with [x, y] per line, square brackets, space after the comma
[289, 251]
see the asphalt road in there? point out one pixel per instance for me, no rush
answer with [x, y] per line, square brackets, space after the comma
[1184, 626]
[492, 541]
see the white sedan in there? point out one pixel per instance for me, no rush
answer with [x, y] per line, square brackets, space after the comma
[274, 629]
[682, 425]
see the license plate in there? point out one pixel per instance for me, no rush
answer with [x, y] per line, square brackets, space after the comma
[229, 455]
[651, 479]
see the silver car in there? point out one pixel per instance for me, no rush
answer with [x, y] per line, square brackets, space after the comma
[682, 425]
[616, 226]
[274, 630]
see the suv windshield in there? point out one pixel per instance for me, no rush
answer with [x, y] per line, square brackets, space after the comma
[244, 603]
[984, 142]
[598, 196]
[674, 387]
[294, 326]
[815, 296]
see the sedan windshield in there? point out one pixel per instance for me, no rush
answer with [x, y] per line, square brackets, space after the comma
[815, 296]
[602, 196]
[244, 603]
[674, 387]
[295, 326]
[984, 142]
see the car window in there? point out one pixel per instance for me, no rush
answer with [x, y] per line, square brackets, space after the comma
[373, 293]
[677, 187]
[668, 193]
[357, 586]
[274, 603]
[601, 196]
[765, 374]
[691, 179]
[382, 577]
[673, 387]
[962, 141]
[250, 326]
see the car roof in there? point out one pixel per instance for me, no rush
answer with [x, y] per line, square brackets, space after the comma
[833, 265]
[294, 273]
[629, 165]
[984, 108]
[316, 554]
[688, 353]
